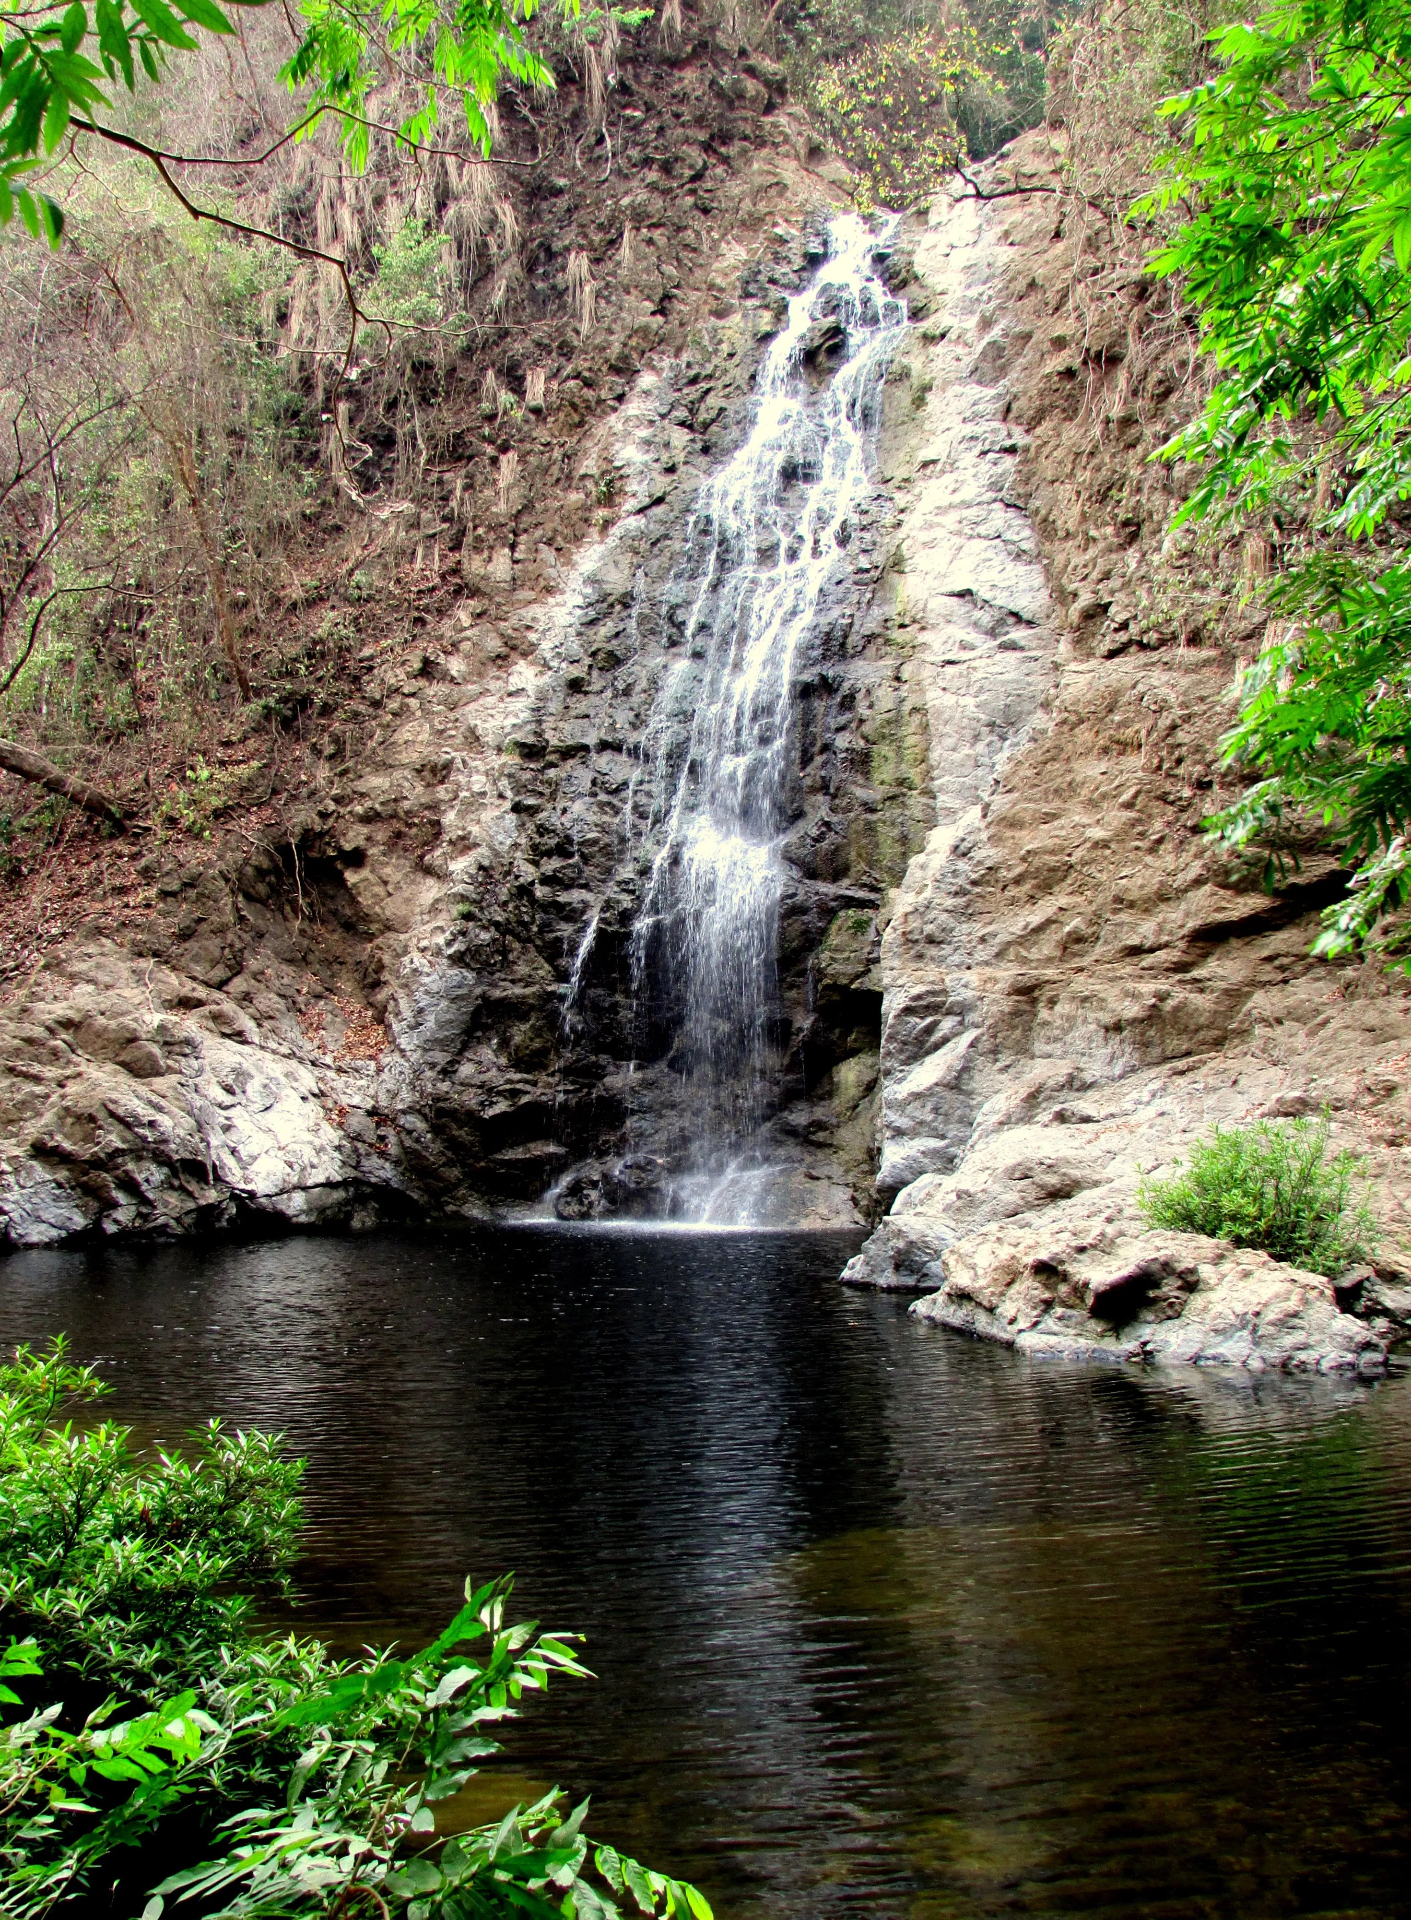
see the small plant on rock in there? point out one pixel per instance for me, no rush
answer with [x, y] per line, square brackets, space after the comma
[1273, 1186]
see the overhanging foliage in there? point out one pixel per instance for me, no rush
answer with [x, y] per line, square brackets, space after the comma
[1297, 163]
[148, 1734]
[60, 64]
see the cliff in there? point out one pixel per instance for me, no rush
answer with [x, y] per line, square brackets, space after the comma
[1013, 978]
[351, 1003]
[1076, 984]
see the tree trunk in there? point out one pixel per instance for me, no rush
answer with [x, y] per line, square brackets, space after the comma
[183, 462]
[32, 766]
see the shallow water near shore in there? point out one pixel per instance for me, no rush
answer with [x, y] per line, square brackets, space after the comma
[887, 1623]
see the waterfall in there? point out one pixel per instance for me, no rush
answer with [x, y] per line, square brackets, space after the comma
[710, 809]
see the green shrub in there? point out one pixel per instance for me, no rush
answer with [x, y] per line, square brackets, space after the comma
[149, 1734]
[414, 288]
[1271, 1186]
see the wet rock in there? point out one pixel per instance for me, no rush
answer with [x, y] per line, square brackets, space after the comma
[581, 1196]
[635, 1184]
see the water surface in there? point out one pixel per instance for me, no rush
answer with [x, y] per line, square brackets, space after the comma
[887, 1623]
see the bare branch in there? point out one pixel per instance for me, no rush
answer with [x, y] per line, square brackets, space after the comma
[33, 766]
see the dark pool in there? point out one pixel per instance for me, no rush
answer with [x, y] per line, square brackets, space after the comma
[887, 1623]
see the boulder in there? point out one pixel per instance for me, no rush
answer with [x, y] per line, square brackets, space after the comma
[1076, 1285]
[145, 1103]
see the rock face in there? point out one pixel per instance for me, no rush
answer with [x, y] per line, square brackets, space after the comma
[465, 860]
[1014, 977]
[1079, 1285]
[519, 1049]
[136, 1101]
[1075, 985]
[501, 1083]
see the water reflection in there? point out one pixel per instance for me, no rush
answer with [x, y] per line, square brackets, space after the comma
[887, 1623]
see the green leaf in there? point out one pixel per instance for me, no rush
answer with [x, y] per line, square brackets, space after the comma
[451, 1684]
[589, 1904]
[507, 1838]
[21, 1659]
[56, 120]
[419, 1876]
[113, 39]
[455, 1859]
[467, 1625]
[348, 1692]
[205, 13]
[638, 1885]
[164, 24]
[561, 1836]
[609, 1864]
[303, 1772]
[73, 27]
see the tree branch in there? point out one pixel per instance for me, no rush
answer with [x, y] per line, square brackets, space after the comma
[159, 161]
[309, 120]
[33, 766]
[1017, 191]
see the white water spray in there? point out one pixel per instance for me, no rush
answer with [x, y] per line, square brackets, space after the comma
[768, 537]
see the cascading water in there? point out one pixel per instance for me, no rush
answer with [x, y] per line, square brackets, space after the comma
[768, 537]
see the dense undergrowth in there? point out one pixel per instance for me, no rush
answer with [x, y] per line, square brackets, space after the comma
[157, 1751]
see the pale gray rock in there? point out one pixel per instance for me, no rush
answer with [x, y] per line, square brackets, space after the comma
[142, 1102]
[1012, 1172]
[1078, 1286]
[902, 1255]
[1076, 985]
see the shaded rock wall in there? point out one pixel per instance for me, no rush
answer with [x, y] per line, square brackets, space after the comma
[498, 1081]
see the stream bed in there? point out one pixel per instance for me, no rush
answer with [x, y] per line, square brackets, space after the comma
[886, 1623]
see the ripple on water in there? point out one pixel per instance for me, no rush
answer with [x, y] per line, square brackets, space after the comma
[887, 1623]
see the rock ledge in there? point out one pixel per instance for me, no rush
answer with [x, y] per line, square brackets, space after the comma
[1074, 1286]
